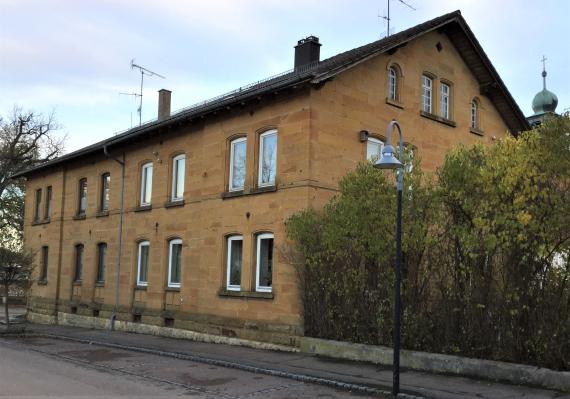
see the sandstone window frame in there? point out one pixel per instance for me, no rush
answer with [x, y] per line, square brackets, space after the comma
[79, 257]
[230, 281]
[49, 203]
[38, 205]
[258, 262]
[233, 143]
[82, 197]
[171, 283]
[427, 97]
[177, 183]
[146, 177]
[142, 269]
[104, 194]
[102, 252]
[371, 142]
[261, 157]
[44, 264]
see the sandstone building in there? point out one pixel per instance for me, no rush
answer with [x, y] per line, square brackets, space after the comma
[179, 222]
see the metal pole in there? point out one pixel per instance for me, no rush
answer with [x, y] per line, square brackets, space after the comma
[397, 284]
[140, 107]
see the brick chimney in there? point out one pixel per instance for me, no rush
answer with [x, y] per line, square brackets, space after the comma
[163, 104]
[307, 51]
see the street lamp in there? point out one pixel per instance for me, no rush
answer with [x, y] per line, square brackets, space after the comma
[389, 161]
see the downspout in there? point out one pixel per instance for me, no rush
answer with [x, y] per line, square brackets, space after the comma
[120, 239]
[60, 249]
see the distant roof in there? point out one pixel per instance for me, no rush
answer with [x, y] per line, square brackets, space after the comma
[317, 73]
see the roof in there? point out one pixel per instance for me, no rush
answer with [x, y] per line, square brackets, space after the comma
[317, 73]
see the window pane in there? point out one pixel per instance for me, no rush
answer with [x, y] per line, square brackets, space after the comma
[82, 195]
[392, 84]
[143, 263]
[374, 149]
[43, 273]
[48, 202]
[106, 182]
[473, 114]
[78, 262]
[426, 94]
[268, 159]
[146, 186]
[235, 262]
[237, 168]
[265, 264]
[444, 101]
[102, 262]
[178, 178]
[38, 204]
[175, 263]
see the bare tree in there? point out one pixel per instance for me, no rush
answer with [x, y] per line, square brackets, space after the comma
[27, 139]
[16, 269]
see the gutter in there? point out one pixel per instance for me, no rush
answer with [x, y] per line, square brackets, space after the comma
[120, 235]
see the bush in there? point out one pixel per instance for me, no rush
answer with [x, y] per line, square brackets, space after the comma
[485, 254]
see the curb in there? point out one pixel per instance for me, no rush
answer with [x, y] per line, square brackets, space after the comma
[235, 365]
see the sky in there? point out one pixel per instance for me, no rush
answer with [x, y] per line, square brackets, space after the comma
[73, 57]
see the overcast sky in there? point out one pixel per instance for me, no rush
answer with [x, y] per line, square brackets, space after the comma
[73, 56]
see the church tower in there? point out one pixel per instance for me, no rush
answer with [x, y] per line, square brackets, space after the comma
[544, 102]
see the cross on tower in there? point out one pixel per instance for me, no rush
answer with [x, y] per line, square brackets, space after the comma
[543, 63]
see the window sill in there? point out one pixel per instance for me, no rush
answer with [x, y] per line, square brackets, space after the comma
[42, 282]
[252, 191]
[172, 289]
[141, 287]
[395, 103]
[476, 131]
[102, 214]
[40, 222]
[143, 208]
[245, 294]
[99, 284]
[439, 119]
[79, 217]
[173, 204]
[77, 283]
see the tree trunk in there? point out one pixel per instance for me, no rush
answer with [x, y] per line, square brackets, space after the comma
[6, 314]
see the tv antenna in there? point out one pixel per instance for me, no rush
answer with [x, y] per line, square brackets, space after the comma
[147, 72]
[387, 18]
[134, 95]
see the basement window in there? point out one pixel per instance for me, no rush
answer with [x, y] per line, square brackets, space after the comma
[168, 322]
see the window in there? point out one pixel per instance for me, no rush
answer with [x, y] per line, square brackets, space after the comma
[101, 261]
[146, 184]
[44, 264]
[38, 210]
[234, 261]
[374, 149]
[427, 84]
[237, 163]
[48, 202]
[474, 115]
[82, 197]
[267, 158]
[392, 84]
[444, 101]
[78, 262]
[142, 263]
[174, 262]
[178, 167]
[264, 263]
[105, 188]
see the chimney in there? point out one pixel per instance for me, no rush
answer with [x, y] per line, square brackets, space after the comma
[163, 104]
[307, 51]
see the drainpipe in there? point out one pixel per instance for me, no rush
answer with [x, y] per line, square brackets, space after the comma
[120, 239]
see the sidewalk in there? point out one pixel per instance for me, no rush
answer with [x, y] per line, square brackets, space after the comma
[297, 365]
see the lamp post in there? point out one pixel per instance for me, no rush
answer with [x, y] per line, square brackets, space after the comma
[389, 161]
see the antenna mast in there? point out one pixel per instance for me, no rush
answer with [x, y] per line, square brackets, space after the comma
[387, 16]
[147, 72]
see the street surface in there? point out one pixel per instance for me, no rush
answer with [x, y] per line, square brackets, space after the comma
[41, 367]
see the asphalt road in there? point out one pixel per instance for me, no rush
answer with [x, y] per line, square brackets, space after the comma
[41, 367]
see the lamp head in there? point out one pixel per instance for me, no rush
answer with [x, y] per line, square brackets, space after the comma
[388, 159]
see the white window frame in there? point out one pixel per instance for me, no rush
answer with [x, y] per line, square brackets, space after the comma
[232, 147]
[427, 88]
[261, 152]
[444, 101]
[260, 288]
[175, 173]
[474, 114]
[375, 141]
[171, 243]
[230, 239]
[392, 84]
[139, 258]
[145, 182]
